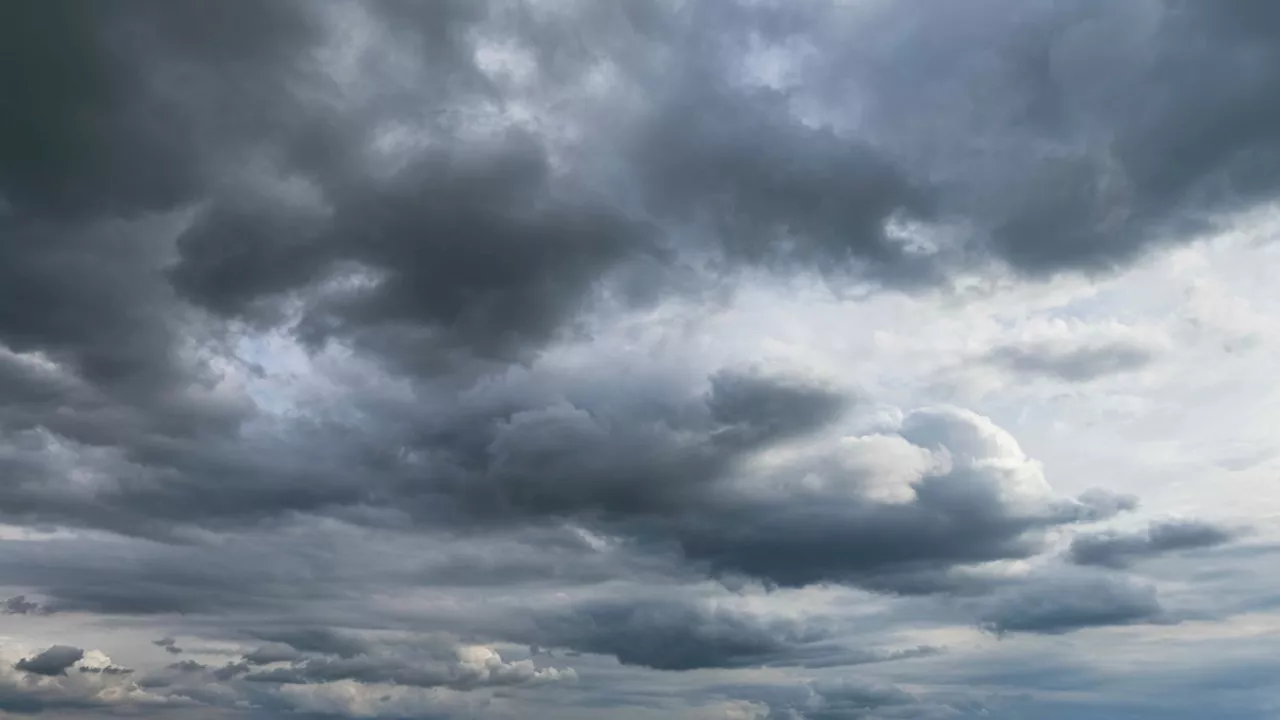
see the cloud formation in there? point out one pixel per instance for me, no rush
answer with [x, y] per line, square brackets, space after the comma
[1118, 550]
[53, 661]
[1058, 606]
[1076, 364]
[495, 360]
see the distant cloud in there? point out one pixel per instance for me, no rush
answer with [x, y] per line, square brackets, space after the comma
[53, 661]
[1074, 364]
[1119, 550]
[1060, 605]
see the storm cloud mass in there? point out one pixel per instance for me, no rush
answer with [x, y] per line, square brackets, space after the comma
[736, 359]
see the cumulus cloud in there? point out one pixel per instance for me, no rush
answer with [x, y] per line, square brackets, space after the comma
[977, 498]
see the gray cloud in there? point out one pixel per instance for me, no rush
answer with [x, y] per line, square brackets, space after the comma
[268, 654]
[108, 670]
[1057, 605]
[1118, 550]
[689, 633]
[672, 476]
[470, 668]
[169, 644]
[773, 190]
[445, 195]
[1079, 364]
[53, 661]
[320, 640]
[826, 533]
[1096, 140]
[231, 670]
[536, 251]
[854, 699]
[673, 635]
[19, 605]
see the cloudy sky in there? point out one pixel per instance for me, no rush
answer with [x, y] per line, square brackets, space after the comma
[639, 359]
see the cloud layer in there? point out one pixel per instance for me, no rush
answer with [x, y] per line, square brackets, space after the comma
[624, 359]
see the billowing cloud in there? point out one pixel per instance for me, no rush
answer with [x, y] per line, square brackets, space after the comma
[361, 345]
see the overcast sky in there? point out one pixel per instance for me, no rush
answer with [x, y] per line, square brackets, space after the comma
[639, 359]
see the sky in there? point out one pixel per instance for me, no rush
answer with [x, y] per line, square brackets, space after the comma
[639, 359]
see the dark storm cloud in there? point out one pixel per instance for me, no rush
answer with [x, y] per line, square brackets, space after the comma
[1063, 135]
[1080, 364]
[72, 138]
[773, 190]
[99, 154]
[176, 174]
[476, 253]
[1054, 606]
[736, 157]
[755, 407]
[1119, 550]
[466, 248]
[115, 116]
[474, 248]
[53, 661]
[677, 475]
[156, 108]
